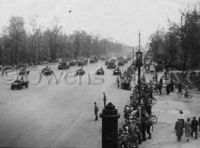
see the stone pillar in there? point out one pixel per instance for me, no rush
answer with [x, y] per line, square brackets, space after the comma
[109, 126]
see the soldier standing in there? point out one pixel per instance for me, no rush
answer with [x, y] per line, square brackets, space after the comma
[160, 86]
[179, 88]
[117, 81]
[96, 111]
[194, 126]
[172, 85]
[168, 88]
[149, 125]
[143, 128]
[104, 99]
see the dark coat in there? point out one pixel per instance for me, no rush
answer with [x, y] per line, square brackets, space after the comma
[96, 109]
[179, 128]
[179, 87]
[194, 124]
[168, 89]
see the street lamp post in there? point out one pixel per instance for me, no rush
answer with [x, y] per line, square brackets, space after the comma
[139, 64]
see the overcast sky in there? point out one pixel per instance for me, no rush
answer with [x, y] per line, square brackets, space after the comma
[119, 19]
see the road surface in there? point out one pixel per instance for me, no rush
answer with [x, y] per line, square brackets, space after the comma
[62, 115]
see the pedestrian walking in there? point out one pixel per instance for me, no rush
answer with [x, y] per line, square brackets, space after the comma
[117, 81]
[156, 76]
[180, 88]
[194, 126]
[179, 129]
[104, 99]
[160, 86]
[165, 74]
[168, 88]
[186, 91]
[96, 109]
[188, 129]
[172, 85]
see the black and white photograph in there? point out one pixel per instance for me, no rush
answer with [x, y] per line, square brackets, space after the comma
[99, 73]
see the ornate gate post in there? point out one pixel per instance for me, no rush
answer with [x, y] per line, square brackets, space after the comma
[109, 126]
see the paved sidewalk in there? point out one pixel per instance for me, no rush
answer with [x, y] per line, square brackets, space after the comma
[167, 110]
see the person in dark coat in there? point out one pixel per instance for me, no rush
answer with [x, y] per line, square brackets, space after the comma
[133, 134]
[179, 129]
[143, 126]
[148, 108]
[172, 85]
[168, 88]
[139, 133]
[179, 88]
[104, 99]
[117, 81]
[149, 125]
[156, 76]
[194, 126]
[96, 109]
[160, 86]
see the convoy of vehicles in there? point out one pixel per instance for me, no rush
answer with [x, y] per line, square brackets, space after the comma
[65, 64]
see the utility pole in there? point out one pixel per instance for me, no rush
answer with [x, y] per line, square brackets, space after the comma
[139, 71]
[139, 41]
[139, 64]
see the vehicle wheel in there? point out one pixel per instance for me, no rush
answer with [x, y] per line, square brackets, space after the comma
[154, 101]
[154, 119]
[27, 86]
[12, 88]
